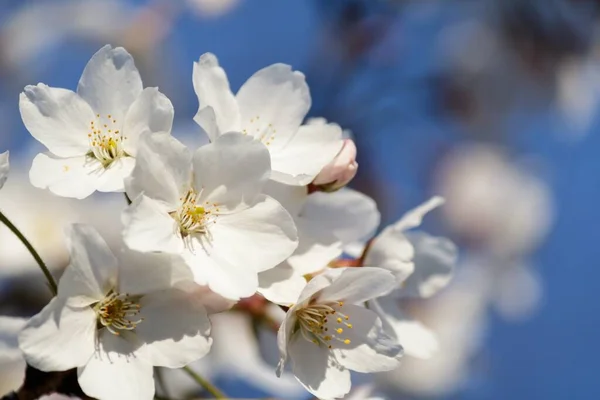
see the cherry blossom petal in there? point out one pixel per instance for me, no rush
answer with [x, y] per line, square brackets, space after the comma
[391, 250]
[116, 372]
[264, 236]
[58, 118]
[76, 177]
[416, 339]
[151, 112]
[414, 217]
[163, 170]
[112, 178]
[370, 349]
[301, 160]
[141, 273]
[281, 285]
[316, 247]
[93, 268]
[316, 370]
[59, 337]
[175, 329]
[272, 103]
[207, 120]
[435, 258]
[226, 279]
[212, 88]
[110, 82]
[4, 167]
[149, 227]
[357, 285]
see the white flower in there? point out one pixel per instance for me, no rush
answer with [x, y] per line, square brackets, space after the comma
[12, 364]
[422, 265]
[341, 170]
[269, 107]
[328, 333]
[4, 167]
[92, 135]
[115, 318]
[326, 222]
[209, 207]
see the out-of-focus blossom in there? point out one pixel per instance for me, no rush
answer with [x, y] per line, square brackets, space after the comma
[114, 318]
[340, 171]
[457, 316]
[327, 333]
[269, 107]
[12, 364]
[4, 167]
[209, 208]
[92, 135]
[422, 264]
[212, 8]
[492, 202]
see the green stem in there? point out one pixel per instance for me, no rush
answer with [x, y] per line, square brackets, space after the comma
[34, 253]
[212, 389]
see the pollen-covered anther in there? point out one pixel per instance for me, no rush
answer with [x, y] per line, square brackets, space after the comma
[194, 218]
[312, 321]
[116, 311]
[106, 142]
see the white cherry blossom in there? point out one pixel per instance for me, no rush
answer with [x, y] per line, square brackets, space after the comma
[4, 167]
[208, 207]
[422, 265]
[114, 318]
[269, 107]
[340, 171]
[92, 135]
[326, 222]
[12, 364]
[327, 332]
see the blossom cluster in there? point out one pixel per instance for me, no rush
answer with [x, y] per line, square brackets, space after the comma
[260, 211]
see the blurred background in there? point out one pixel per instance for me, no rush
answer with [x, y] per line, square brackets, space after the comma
[493, 104]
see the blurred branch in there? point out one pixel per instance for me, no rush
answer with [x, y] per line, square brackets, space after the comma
[38, 383]
[212, 389]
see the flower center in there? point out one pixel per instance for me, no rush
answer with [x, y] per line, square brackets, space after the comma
[323, 323]
[115, 312]
[106, 141]
[260, 131]
[194, 218]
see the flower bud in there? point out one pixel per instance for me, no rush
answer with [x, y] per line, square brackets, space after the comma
[340, 171]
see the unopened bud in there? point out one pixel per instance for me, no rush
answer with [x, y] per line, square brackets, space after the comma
[340, 171]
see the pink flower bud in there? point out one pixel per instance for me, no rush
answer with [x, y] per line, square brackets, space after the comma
[340, 171]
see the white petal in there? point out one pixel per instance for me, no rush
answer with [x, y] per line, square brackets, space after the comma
[4, 167]
[284, 335]
[112, 179]
[416, 339]
[281, 285]
[357, 285]
[59, 337]
[175, 328]
[207, 120]
[338, 212]
[228, 280]
[151, 112]
[116, 373]
[76, 177]
[148, 227]
[391, 250]
[301, 160]
[435, 258]
[58, 118]
[414, 217]
[212, 88]
[141, 273]
[370, 349]
[93, 268]
[317, 370]
[272, 103]
[316, 247]
[163, 170]
[293, 198]
[232, 170]
[110, 82]
[264, 236]
[316, 284]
